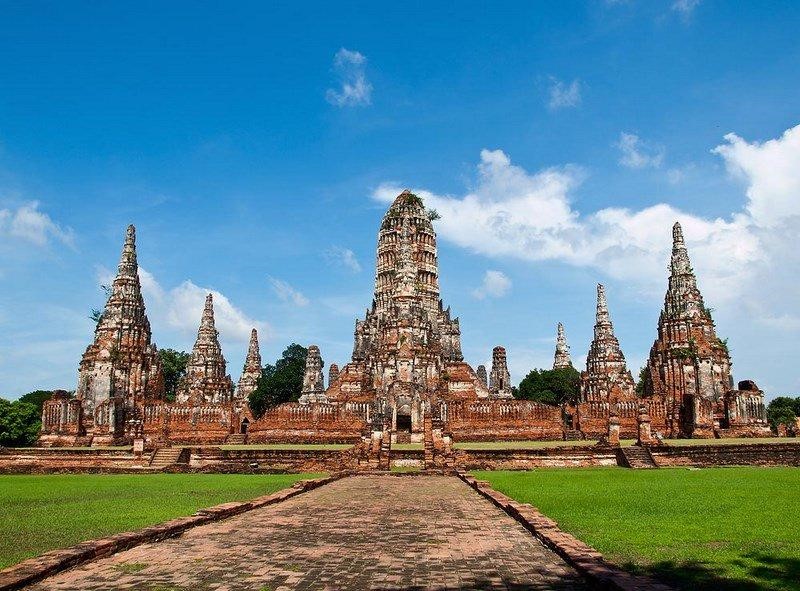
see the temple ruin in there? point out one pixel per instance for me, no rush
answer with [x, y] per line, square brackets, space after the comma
[407, 379]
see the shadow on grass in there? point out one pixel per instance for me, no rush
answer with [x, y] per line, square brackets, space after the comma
[763, 571]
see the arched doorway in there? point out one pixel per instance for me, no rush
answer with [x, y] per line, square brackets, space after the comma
[245, 425]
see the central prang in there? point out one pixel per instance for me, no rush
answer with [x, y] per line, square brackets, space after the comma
[407, 351]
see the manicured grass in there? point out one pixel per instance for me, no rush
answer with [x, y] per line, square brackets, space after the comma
[715, 528]
[309, 446]
[407, 446]
[44, 512]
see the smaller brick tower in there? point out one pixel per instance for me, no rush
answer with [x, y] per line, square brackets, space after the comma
[499, 378]
[251, 370]
[313, 379]
[481, 373]
[333, 373]
[561, 358]
[206, 380]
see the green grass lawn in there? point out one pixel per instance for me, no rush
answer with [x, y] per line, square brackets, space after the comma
[44, 512]
[715, 528]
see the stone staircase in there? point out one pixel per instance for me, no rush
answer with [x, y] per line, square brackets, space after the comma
[636, 457]
[166, 456]
[236, 439]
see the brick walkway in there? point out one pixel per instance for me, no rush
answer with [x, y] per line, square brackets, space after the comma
[366, 532]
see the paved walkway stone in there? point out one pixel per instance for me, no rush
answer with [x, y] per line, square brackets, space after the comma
[364, 532]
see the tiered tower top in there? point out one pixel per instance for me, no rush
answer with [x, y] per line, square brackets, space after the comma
[683, 299]
[406, 262]
[561, 358]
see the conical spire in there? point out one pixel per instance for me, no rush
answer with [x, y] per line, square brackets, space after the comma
[406, 272]
[680, 257]
[252, 368]
[683, 299]
[128, 266]
[602, 317]
[208, 313]
[561, 358]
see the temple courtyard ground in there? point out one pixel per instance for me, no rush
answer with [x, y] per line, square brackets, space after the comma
[700, 529]
[362, 532]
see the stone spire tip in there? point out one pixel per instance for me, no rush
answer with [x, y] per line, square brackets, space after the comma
[677, 233]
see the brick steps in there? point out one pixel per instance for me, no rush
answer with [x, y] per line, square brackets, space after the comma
[636, 457]
[166, 456]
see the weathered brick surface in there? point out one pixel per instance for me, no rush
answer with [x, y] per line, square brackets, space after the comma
[364, 532]
[763, 454]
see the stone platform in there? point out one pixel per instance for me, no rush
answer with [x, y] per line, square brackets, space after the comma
[363, 532]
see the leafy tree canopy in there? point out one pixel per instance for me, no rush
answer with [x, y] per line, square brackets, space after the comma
[551, 386]
[783, 409]
[37, 398]
[174, 366]
[280, 382]
[644, 375]
[19, 423]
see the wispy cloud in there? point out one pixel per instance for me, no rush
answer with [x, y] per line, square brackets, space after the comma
[685, 8]
[510, 212]
[27, 223]
[355, 90]
[495, 285]
[563, 95]
[634, 153]
[287, 293]
[343, 257]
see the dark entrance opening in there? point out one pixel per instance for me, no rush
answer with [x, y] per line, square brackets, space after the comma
[404, 423]
[245, 425]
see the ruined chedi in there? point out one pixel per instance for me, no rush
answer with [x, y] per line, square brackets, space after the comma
[313, 380]
[333, 373]
[500, 377]
[122, 362]
[561, 358]
[607, 378]
[206, 380]
[482, 376]
[251, 370]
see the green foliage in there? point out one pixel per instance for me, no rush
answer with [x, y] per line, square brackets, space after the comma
[281, 382]
[550, 386]
[783, 409]
[96, 315]
[641, 383]
[434, 215]
[412, 199]
[44, 512]
[173, 364]
[37, 398]
[710, 529]
[723, 343]
[19, 423]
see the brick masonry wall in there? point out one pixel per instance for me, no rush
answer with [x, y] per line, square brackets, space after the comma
[748, 454]
[526, 459]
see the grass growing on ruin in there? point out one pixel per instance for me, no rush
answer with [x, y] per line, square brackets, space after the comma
[481, 445]
[279, 446]
[715, 528]
[44, 512]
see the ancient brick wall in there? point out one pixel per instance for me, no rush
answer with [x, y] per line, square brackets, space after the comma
[526, 459]
[592, 417]
[488, 420]
[288, 460]
[315, 423]
[188, 424]
[752, 454]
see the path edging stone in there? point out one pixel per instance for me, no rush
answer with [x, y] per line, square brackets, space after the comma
[39, 567]
[585, 559]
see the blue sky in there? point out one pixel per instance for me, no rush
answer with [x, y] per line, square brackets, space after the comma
[254, 147]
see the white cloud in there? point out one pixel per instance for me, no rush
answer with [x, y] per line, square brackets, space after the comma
[355, 89]
[495, 284]
[771, 171]
[181, 308]
[29, 224]
[513, 213]
[343, 257]
[637, 154]
[685, 8]
[287, 293]
[564, 95]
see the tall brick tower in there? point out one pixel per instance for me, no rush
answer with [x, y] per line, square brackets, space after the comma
[688, 363]
[407, 350]
[607, 378]
[206, 380]
[122, 362]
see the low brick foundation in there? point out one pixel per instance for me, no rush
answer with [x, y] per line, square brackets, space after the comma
[50, 563]
[588, 561]
[526, 459]
[743, 454]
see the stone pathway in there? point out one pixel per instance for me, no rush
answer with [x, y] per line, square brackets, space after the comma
[365, 532]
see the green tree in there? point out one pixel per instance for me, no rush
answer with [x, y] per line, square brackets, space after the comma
[644, 375]
[173, 364]
[281, 382]
[19, 423]
[783, 409]
[37, 398]
[551, 386]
